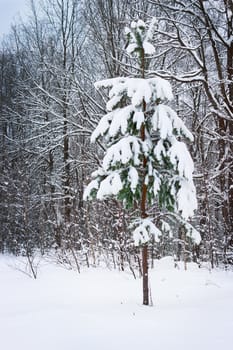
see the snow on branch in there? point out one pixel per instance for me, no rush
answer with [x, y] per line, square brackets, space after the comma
[186, 198]
[137, 89]
[139, 37]
[128, 148]
[192, 233]
[110, 186]
[167, 121]
[144, 230]
[181, 159]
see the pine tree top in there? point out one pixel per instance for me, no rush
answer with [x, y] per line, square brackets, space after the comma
[158, 161]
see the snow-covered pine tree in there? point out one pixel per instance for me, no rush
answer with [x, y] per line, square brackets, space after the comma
[144, 161]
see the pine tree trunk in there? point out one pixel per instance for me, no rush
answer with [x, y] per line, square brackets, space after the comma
[143, 207]
[145, 247]
[145, 274]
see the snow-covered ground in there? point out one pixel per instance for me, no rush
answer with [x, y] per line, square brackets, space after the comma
[101, 309]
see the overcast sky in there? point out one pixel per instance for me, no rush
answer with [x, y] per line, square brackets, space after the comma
[9, 12]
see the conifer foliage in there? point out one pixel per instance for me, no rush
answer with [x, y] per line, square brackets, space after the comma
[145, 162]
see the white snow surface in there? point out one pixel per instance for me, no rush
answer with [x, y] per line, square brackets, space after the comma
[101, 309]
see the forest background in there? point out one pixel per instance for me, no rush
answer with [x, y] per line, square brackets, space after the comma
[49, 108]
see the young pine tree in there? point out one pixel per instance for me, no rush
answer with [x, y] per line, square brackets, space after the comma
[144, 161]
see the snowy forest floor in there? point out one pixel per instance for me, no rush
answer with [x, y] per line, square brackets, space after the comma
[100, 309]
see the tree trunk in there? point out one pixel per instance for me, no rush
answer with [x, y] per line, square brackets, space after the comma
[145, 274]
[143, 205]
[229, 4]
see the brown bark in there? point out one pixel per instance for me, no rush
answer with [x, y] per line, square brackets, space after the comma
[145, 246]
[143, 206]
[145, 274]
